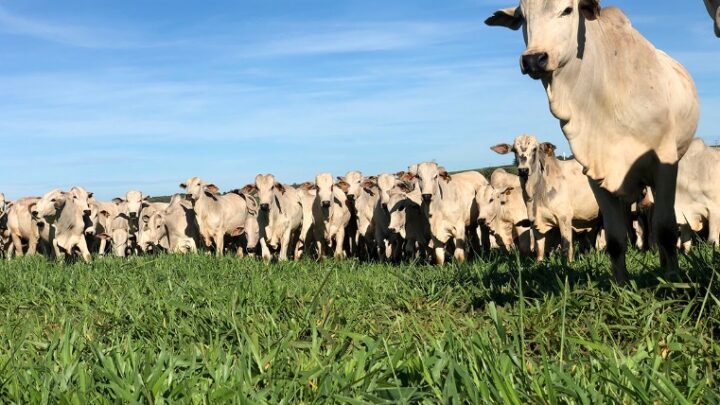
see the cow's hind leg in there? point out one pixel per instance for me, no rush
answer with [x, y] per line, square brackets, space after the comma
[714, 227]
[615, 214]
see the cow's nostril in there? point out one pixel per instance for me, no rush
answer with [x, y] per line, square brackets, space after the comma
[427, 197]
[384, 205]
[265, 207]
[326, 204]
[523, 172]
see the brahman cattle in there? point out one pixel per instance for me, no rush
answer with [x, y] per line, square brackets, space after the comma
[628, 110]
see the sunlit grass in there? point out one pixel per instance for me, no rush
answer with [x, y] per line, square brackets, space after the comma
[205, 330]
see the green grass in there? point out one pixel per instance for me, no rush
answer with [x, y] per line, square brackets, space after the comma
[201, 330]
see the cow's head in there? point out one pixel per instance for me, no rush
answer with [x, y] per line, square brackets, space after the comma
[529, 154]
[353, 184]
[196, 187]
[81, 198]
[398, 206]
[490, 203]
[49, 206]
[153, 230]
[265, 184]
[325, 188]
[385, 183]
[429, 175]
[135, 202]
[713, 8]
[554, 31]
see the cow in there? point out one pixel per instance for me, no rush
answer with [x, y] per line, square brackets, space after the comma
[22, 228]
[101, 215]
[502, 209]
[384, 238]
[307, 195]
[4, 232]
[713, 8]
[145, 236]
[362, 195]
[409, 227]
[280, 218]
[557, 194]
[64, 215]
[697, 198]
[331, 216]
[448, 201]
[217, 215]
[628, 110]
[173, 228]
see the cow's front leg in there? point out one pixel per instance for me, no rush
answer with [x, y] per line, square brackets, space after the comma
[664, 222]
[566, 235]
[339, 238]
[615, 215]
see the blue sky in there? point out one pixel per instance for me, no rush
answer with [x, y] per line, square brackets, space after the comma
[144, 94]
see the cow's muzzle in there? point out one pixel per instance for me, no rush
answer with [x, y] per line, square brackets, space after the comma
[534, 64]
[351, 197]
[326, 204]
[265, 207]
[427, 197]
[524, 172]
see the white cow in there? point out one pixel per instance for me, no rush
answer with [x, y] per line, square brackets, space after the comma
[64, 215]
[363, 196]
[217, 215]
[174, 227]
[557, 194]
[330, 216]
[280, 218]
[628, 110]
[502, 209]
[22, 227]
[697, 200]
[449, 204]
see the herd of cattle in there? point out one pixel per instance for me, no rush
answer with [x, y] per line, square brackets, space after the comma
[424, 212]
[628, 110]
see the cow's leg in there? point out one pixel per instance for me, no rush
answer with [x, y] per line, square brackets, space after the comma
[17, 244]
[59, 254]
[566, 237]
[460, 244]
[664, 222]
[265, 251]
[439, 252]
[84, 251]
[284, 243]
[539, 245]
[339, 238]
[615, 214]
[714, 227]
[219, 244]
[685, 241]
[103, 246]
[319, 248]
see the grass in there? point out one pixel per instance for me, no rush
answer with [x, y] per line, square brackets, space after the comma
[196, 329]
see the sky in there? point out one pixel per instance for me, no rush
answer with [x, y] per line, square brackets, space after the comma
[136, 94]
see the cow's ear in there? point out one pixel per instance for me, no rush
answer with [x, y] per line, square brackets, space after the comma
[118, 200]
[279, 187]
[590, 9]
[445, 175]
[507, 17]
[146, 198]
[344, 186]
[369, 183]
[501, 148]
[340, 178]
[212, 188]
[183, 186]
[59, 202]
[405, 187]
[369, 191]
[548, 148]
[407, 176]
[249, 189]
[104, 213]
[373, 178]
[237, 231]
[90, 195]
[307, 186]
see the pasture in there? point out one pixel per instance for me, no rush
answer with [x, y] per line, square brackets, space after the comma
[200, 329]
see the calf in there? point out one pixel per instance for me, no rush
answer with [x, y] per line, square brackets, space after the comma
[174, 227]
[22, 227]
[502, 210]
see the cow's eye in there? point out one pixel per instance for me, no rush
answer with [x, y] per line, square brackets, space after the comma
[53, 200]
[401, 209]
[492, 199]
[567, 11]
